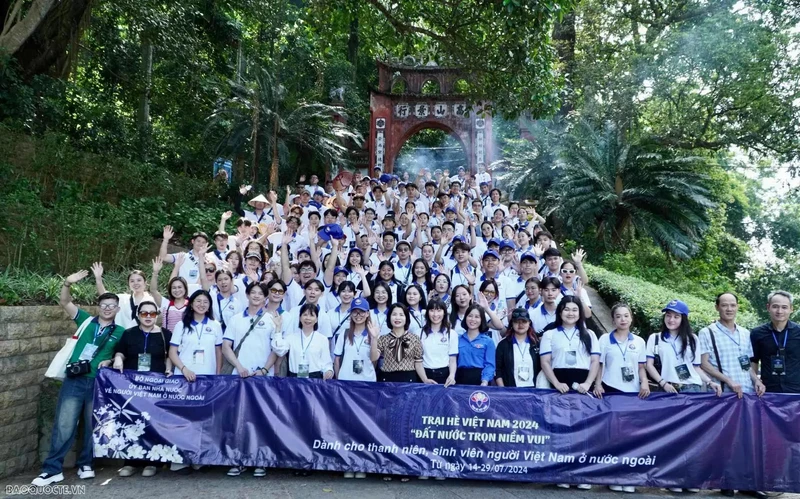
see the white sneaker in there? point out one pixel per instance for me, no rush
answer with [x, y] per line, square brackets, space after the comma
[149, 471]
[629, 489]
[676, 490]
[361, 474]
[585, 486]
[349, 474]
[615, 488]
[563, 485]
[259, 472]
[236, 471]
[127, 471]
[44, 479]
[85, 472]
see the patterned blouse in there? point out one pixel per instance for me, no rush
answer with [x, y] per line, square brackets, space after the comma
[400, 354]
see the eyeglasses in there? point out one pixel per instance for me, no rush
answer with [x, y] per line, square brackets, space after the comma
[108, 306]
[567, 271]
[277, 291]
[151, 315]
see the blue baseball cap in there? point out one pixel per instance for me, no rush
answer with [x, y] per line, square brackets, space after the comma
[450, 208]
[677, 306]
[315, 204]
[385, 178]
[528, 256]
[304, 250]
[331, 231]
[359, 304]
[507, 243]
[489, 253]
[340, 269]
[494, 240]
[459, 239]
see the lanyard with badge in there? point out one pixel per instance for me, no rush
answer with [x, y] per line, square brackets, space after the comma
[193, 272]
[303, 365]
[779, 360]
[524, 371]
[626, 370]
[572, 355]
[744, 359]
[682, 370]
[144, 358]
[90, 349]
[199, 354]
[358, 362]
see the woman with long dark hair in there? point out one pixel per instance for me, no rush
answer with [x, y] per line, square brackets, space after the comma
[441, 289]
[196, 345]
[421, 275]
[414, 299]
[570, 353]
[174, 304]
[439, 347]
[379, 302]
[462, 299]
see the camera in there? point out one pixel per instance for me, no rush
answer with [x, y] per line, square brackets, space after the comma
[79, 368]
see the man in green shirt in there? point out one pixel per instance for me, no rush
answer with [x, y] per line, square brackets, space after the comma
[95, 346]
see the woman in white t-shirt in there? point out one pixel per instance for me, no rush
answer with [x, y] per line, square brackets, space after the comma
[128, 302]
[570, 353]
[623, 357]
[196, 345]
[495, 303]
[414, 298]
[674, 354]
[439, 347]
[228, 298]
[571, 286]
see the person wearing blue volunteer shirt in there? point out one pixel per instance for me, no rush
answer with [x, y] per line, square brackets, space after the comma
[776, 346]
[728, 350]
[476, 349]
[679, 352]
[517, 355]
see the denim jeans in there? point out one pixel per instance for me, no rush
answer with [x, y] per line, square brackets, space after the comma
[74, 402]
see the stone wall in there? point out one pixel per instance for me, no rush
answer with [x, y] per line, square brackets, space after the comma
[29, 339]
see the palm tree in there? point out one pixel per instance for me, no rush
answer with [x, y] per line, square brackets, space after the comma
[260, 118]
[623, 189]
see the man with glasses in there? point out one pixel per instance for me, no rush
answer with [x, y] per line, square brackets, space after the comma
[776, 346]
[97, 337]
[306, 272]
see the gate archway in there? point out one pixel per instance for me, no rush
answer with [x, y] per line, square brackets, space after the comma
[412, 97]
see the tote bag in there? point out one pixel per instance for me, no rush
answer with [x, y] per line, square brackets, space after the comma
[58, 367]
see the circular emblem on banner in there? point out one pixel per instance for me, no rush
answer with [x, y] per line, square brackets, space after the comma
[479, 401]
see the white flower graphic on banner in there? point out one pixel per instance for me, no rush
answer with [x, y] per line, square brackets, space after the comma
[118, 432]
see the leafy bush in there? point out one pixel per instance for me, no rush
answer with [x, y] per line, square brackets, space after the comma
[647, 299]
[65, 209]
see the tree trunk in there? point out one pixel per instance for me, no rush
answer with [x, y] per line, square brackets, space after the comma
[52, 48]
[143, 116]
[15, 34]
[239, 61]
[273, 171]
[564, 39]
[353, 41]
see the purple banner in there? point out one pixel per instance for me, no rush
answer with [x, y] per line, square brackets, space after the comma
[484, 433]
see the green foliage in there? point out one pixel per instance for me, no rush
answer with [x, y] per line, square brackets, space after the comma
[647, 300]
[95, 208]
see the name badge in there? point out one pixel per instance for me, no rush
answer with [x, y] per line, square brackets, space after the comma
[627, 374]
[193, 273]
[302, 370]
[198, 357]
[88, 352]
[572, 358]
[144, 362]
[524, 373]
[778, 365]
[683, 372]
[358, 366]
[744, 361]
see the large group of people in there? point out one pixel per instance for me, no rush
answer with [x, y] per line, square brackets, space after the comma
[434, 280]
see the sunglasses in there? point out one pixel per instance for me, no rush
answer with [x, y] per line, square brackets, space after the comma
[567, 271]
[211, 270]
[108, 306]
[151, 315]
[277, 291]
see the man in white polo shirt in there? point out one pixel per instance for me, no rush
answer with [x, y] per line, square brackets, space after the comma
[545, 314]
[193, 259]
